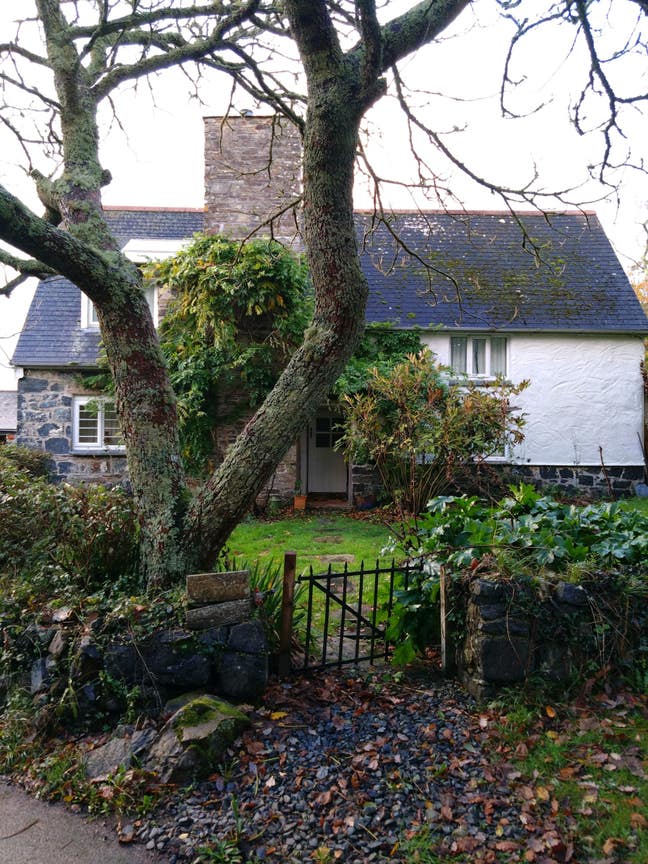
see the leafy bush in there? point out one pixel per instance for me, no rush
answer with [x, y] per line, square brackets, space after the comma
[529, 538]
[61, 537]
[421, 429]
[238, 312]
[530, 529]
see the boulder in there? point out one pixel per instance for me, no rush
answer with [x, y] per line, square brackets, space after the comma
[194, 739]
[118, 753]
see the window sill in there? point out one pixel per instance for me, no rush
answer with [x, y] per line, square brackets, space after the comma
[98, 451]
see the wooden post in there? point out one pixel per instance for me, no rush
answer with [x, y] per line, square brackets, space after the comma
[287, 604]
[448, 647]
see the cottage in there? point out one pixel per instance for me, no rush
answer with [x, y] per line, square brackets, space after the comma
[527, 296]
[8, 410]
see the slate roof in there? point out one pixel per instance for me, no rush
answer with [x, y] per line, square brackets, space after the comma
[467, 271]
[8, 410]
[478, 271]
[52, 335]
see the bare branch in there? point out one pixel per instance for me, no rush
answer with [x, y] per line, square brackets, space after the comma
[417, 27]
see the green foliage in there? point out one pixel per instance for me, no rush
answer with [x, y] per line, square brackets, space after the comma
[237, 314]
[421, 430]
[60, 536]
[381, 348]
[533, 530]
[415, 622]
[529, 538]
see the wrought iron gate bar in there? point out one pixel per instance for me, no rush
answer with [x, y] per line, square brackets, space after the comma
[342, 611]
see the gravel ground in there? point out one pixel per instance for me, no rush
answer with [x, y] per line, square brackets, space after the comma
[345, 768]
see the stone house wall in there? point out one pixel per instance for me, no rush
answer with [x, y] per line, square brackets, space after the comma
[45, 399]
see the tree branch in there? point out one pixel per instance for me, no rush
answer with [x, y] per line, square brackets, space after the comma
[416, 28]
[59, 251]
[316, 38]
[176, 50]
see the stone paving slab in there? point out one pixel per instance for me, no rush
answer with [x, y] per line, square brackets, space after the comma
[36, 832]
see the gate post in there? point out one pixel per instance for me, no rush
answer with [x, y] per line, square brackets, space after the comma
[287, 604]
[448, 646]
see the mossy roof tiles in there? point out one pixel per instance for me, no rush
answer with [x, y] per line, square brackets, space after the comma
[458, 271]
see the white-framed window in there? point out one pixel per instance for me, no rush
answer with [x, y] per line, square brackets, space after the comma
[479, 356]
[90, 321]
[96, 425]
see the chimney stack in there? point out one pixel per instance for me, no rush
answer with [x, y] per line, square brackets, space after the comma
[252, 174]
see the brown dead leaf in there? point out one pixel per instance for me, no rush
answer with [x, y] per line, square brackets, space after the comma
[638, 821]
[324, 797]
[446, 813]
[507, 846]
[610, 845]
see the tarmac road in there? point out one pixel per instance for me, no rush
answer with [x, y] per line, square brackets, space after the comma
[35, 832]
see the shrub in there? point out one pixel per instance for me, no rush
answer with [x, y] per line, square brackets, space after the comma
[61, 536]
[531, 539]
[528, 529]
[422, 430]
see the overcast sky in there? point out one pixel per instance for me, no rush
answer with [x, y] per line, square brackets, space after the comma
[156, 155]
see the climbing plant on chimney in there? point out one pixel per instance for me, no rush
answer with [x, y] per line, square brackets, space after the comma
[238, 312]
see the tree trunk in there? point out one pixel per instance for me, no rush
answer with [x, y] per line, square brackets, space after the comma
[341, 292]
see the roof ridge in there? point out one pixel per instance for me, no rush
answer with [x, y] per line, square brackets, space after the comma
[131, 208]
[420, 212]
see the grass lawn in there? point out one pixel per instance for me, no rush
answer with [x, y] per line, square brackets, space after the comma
[640, 504]
[315, 537]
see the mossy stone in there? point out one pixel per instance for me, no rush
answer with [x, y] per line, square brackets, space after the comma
[195, 738]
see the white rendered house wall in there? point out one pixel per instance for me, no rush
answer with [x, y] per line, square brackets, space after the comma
[586, 393]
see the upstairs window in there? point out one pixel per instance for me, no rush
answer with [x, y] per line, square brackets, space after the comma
[479, 356]
[96, 425]
[90, 321]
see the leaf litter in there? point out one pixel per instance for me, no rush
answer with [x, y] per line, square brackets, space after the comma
[367, 769]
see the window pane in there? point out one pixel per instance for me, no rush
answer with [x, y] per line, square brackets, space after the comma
[323, 424]
[478, 356]
[88, 424]
[498, 355]
[458, 353]
[112, 433]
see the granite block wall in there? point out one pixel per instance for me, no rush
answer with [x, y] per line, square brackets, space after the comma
[45, 400]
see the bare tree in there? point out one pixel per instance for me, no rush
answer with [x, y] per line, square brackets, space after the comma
[345, 48]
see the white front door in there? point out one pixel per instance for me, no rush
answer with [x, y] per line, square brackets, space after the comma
[327, 470]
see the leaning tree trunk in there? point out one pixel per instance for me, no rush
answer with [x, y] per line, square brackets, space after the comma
[340, 299]
[147, 410]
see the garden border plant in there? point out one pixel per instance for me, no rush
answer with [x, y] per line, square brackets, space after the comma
[532, 544]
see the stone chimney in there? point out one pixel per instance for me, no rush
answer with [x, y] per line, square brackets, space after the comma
[252, 174]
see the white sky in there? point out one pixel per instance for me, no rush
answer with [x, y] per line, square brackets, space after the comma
[156, 158]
